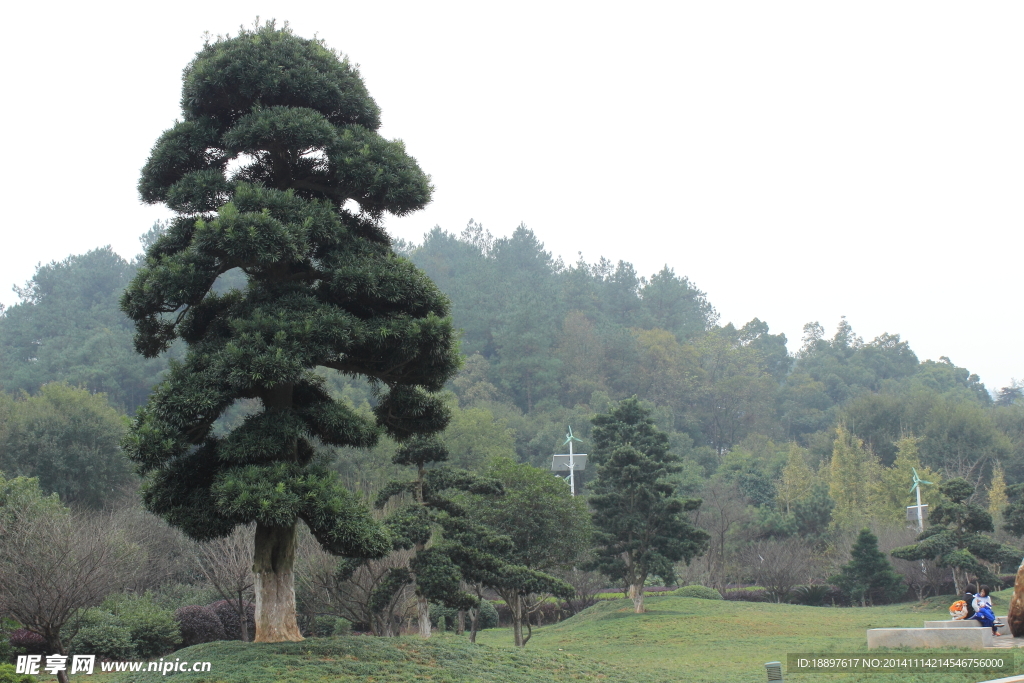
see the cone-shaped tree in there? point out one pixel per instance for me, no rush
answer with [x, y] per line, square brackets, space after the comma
[277, 170]
[869, 576]
[641, 522]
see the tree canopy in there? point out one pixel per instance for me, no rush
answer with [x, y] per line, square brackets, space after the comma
[276, 170]
[641, 526]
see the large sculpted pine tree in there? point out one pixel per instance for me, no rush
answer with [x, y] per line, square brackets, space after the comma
[277, 170]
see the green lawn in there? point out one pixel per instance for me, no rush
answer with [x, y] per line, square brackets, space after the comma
[679, 639]
[442, 659]
[708, 641]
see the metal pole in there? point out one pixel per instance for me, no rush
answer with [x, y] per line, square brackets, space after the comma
[920, 516]
[572, 479]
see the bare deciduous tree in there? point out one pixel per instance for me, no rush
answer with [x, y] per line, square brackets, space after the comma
[723, 511]
[587, 584]
[54, 564]
[327, 587]
[227, 564]
[780, 565]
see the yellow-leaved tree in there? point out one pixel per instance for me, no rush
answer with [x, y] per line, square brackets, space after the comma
[892, 494]
[853, 470]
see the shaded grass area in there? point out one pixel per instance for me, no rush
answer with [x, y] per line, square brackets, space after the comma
[709, 641]
[442, 659]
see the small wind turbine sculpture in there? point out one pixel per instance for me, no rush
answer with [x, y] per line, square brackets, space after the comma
[918, 508]
[572, 462]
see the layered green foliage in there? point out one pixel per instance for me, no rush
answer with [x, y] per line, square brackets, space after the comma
[642, 528]
[438, 571]
[955, 536]
[869, 576]
[277, 172]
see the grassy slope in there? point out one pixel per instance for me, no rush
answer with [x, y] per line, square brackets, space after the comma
[704, 641]
[709, 641]
[444, 659]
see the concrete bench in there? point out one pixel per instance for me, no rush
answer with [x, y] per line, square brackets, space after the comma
[1004, 630]
[935, 638]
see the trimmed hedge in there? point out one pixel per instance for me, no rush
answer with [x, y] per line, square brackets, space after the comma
[102, 634]
[702, 592]
[198, 624]
[26, 642]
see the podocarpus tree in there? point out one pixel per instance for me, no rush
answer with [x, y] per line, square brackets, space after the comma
[535, 528]
[641, 525]
[300, 216]
[955, 538]
[434, 571]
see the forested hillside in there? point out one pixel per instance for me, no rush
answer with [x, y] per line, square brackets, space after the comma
[783, 439]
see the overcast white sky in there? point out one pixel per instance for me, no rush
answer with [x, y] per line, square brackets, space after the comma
[798, 161]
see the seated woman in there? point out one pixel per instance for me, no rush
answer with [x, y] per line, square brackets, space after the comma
[983, 614]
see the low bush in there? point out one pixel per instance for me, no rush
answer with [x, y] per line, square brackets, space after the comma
[25, 642]
[6, 650]
[7, 675]
[488, 616]
[153, 629]
[813, 595]
[753, 594]
[103, 634]
[198, 624]
[175, 595]
[342, 627]
[443, 618]
[702, 592]
[228, 616]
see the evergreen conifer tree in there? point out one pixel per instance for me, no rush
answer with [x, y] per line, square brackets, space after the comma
[300, 216]
[955, 538]
[434, 571]
[641, 527]
[869, 575]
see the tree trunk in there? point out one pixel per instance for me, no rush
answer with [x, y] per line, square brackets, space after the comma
[474, 619]
[1015, 620]
[461, 628]
[516, 610]
[636, 594]
[959, 581]
[275, 584]
[423, 615]
[243, 621]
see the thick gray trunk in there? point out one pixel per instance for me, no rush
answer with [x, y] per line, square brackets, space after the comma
[636, 594]
[423, 615]
[275, 585]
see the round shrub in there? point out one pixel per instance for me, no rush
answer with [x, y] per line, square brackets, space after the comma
[7, 675]
[488, 615]
[26, 642]
[702, 592]
[228, 616]
[102, 634]
[198, 624]
[342, 627]
[443, 618]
